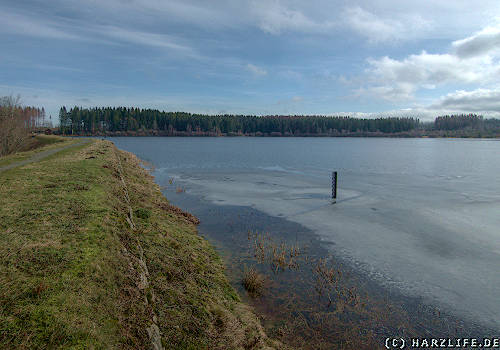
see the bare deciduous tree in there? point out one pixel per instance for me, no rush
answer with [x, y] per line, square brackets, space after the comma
[16, 123]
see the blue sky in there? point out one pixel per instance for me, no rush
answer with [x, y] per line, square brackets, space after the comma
[361, 58]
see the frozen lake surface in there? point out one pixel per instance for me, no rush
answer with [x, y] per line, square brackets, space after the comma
[419, 215]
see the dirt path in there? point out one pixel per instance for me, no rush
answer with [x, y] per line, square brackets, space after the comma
[40, 155]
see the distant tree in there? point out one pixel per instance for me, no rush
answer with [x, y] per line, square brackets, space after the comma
[65, 121]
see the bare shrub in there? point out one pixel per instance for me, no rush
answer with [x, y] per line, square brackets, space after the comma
[329, 284]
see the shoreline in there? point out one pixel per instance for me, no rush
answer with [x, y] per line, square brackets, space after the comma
[439, 135]
[402, 239]
[94, 256]
[218, 220]
[226, 180]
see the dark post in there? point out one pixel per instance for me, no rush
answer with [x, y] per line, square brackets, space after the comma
[334, 186]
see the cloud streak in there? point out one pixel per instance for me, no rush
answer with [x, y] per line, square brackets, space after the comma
[480, 100]
[255, 70]
[144, 38]
[28, 26]
[75, 29]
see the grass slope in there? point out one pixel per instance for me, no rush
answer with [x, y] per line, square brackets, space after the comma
[90, 262]
[36, 145]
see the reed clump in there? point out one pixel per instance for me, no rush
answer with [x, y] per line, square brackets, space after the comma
[253, 282]
[280, 256]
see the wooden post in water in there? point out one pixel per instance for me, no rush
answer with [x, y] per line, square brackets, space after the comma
[334, 187]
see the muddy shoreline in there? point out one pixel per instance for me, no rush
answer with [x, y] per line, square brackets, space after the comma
[291, 295]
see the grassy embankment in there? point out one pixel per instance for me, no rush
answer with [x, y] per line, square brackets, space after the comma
[93, 256]
[33, 146]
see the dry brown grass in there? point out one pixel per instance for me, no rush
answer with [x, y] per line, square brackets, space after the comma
[313, 302]
[253, 282]
[280, 256]
[317, 307]
[328, 283]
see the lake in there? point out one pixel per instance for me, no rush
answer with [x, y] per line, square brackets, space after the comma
[419, 216]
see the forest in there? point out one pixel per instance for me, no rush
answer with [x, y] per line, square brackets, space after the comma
[82, 121]
[465, 121]
[135, 121]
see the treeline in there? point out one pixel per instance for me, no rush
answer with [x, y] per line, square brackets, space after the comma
[130, 121]
[16, 123]
[465, 121]
[135, 121]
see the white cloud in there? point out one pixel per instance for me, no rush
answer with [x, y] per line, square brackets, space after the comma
[424, 69]
[481, 101]
[471, 63]
[257, 71]
[478, 101]
[484, 42]
[274, 18]
[396, 92]
[377, 29]
[399, 80]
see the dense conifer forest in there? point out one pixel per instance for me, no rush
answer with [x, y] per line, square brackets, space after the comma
[465, 121]
[135, 121]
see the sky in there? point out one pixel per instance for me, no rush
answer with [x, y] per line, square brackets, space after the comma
[259, 57]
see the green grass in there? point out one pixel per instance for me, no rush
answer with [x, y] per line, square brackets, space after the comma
[69, 271]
